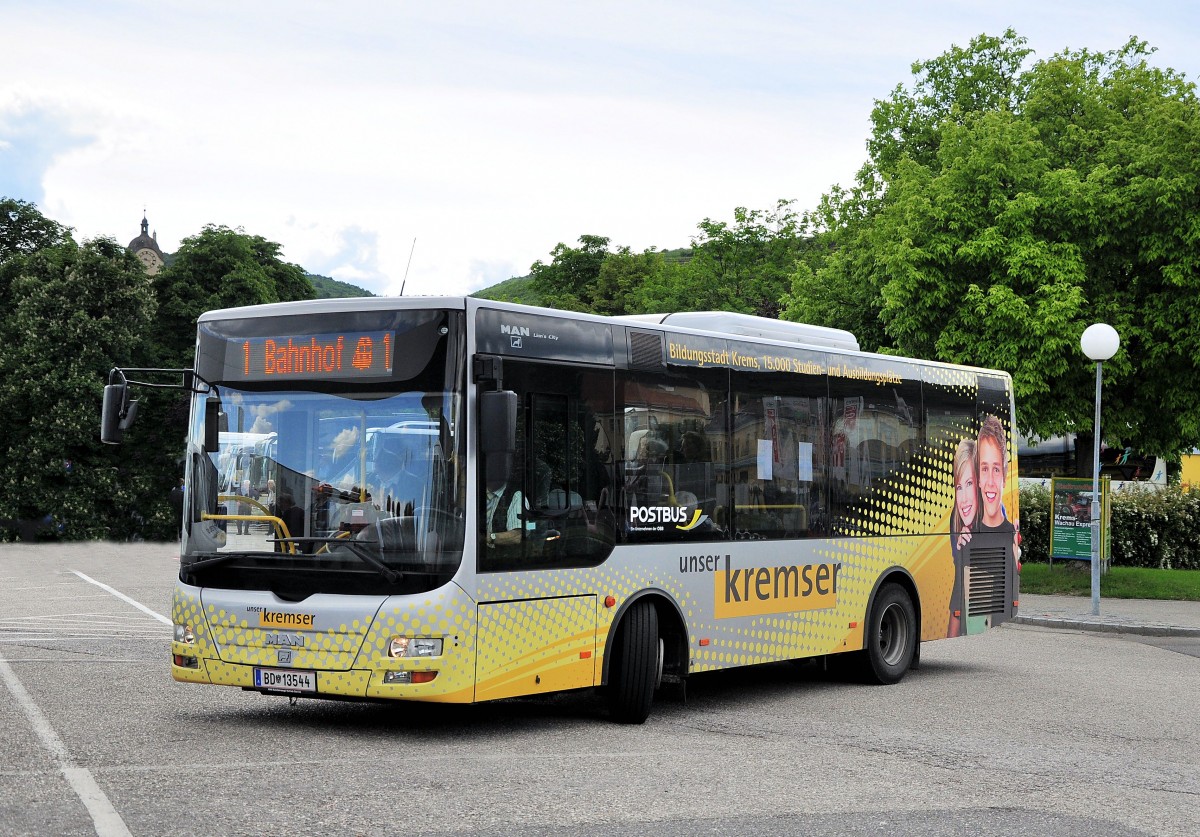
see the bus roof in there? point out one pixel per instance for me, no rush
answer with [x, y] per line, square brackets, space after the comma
[748, 325]
[713, 323]
[324, 306]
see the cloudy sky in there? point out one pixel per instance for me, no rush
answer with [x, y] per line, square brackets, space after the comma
[474, 136]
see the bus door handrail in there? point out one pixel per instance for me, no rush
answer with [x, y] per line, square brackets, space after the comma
[281, 529]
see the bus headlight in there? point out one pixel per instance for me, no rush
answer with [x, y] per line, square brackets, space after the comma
[185, 634]
[405, 646]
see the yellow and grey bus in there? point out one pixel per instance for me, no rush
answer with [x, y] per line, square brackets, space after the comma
[475, 500]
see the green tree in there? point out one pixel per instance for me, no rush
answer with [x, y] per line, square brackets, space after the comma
[219, 268]
[23, 230]
[76, 310]
[831, 284]
[744, 266]
[1004, 211]
[570, 281]
[986, 76]
[626, 279]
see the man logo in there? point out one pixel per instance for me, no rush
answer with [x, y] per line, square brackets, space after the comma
[286, 640]
[515, 342]
[283, 657]
[520, 331]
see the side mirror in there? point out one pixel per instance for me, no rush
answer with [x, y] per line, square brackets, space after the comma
[498, 432]
[117, 413]
[498, 421]
[214, 422]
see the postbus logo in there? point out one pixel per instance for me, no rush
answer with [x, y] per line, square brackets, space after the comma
[660, 516]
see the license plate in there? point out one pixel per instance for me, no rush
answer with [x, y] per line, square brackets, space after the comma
[285, 680]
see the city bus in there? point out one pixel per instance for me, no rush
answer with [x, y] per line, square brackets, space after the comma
[478, 500]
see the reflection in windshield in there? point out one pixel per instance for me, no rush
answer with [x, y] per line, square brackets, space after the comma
[301, 473]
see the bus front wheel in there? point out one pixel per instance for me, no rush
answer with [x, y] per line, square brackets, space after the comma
[633, 674]
[891, 636]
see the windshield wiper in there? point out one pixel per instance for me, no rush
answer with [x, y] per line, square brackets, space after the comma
[360, 552]
[220, 558]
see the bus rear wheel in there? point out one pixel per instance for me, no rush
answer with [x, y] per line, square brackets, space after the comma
[891, 637]
[634, 671]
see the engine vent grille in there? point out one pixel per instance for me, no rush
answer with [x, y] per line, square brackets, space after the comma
[985, 593]
[645, 350]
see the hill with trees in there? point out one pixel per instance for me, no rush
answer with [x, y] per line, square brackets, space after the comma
[327, 288]
[518, 289]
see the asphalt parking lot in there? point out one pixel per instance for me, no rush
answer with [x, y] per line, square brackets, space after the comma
[1026, 729]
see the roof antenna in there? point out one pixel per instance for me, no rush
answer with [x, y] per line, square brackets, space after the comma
[407, 266]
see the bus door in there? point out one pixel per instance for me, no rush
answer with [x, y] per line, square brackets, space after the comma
[553, 513]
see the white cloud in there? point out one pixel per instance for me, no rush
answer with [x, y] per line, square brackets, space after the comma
[34, 135]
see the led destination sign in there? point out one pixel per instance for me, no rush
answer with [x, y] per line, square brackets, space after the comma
[359, 354]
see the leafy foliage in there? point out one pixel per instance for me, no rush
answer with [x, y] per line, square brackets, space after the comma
[76, 311]
[571, 281]
[1003, 211]
[745, 266]
[1034, 506]
[23, 231]
[1156, 528]
[219, 268]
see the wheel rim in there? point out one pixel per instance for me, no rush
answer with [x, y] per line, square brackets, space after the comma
[893, 635]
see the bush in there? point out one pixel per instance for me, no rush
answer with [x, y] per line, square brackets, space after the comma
[1035, 524]
[1151, 527]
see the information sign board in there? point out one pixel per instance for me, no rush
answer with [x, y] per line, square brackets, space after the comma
[1071, 518]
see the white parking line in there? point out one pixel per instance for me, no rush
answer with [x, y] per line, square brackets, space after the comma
[124, 598]
[105, 817]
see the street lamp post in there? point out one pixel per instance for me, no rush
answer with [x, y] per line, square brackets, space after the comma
[1099, 342]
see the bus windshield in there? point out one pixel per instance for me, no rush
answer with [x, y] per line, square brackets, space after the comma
[354, 490]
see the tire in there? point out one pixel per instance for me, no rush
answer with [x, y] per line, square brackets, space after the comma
[891, 637]
[633, 674]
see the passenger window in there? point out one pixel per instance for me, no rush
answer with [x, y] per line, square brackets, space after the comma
[779, 458]
[875, 429]
[675, 466]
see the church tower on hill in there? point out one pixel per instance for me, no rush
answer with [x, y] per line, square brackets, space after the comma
[146, 248]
